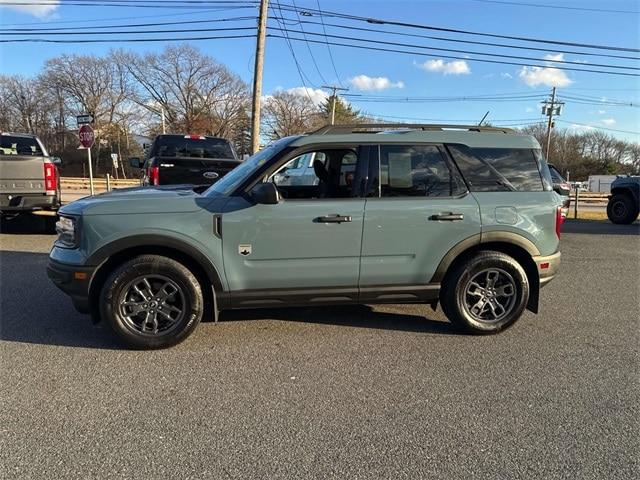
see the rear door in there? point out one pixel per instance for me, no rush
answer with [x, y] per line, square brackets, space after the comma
[418, 208]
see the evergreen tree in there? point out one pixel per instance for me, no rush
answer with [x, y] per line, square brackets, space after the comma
[345, 114]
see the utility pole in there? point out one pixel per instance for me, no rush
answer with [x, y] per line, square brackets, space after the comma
[257, 77]
[551, 108]
[334, 97]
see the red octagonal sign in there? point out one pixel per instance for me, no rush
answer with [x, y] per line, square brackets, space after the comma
[86, 136]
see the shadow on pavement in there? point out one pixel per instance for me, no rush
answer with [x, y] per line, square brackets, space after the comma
[34, 311]
[362, 316]
[28, 224]
[599, 227]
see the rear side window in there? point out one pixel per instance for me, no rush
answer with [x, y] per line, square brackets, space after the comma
[13, 145]
[417, 171]
[498, 169]
[192, 147]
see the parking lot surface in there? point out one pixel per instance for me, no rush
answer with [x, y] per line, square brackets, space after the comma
[381, 392]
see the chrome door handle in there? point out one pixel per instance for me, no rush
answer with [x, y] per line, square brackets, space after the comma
[333, 219]
[448, 217]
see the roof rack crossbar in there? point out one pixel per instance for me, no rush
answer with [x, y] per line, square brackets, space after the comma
[368, 127]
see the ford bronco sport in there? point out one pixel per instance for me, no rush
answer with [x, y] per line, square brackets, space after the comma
[463, 216]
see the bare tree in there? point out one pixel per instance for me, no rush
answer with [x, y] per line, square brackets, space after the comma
[197, 94]
[290, 114]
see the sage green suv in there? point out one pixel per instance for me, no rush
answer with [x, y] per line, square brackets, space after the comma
[463, 216]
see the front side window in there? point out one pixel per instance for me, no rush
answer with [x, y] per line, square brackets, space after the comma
[327, 173]
[417, 171]
[498, 169]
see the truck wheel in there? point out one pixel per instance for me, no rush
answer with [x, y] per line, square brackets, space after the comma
[486, 293]
[151, 302]
[621, 209]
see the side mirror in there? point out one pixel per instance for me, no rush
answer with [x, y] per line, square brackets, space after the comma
[56, 160]
[134, 162]
[266, 193]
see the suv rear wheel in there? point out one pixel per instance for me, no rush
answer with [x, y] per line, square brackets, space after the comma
[621, 209]
[486, 293]
[151, 302]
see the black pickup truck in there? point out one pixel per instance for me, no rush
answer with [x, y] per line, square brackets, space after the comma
[180, 159]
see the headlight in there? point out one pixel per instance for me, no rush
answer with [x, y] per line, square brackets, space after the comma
[66, 229]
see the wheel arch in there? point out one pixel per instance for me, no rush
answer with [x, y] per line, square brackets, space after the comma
[114, 254]
[631, 190]
[516, 246]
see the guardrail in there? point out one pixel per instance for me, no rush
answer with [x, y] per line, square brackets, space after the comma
[79, 183]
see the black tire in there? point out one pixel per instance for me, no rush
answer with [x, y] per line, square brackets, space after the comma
[621, 209]
[458, 296]
[49, 224]
[130, 321]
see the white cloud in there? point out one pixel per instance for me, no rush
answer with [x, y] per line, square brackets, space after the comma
[40, 11]
[528, 109]
[601, 112]
[608, 121]
[366, 83]
[457, 67]
[506, 75]
[575, 126]
[554, 58]
[549, 76]
[317, 95]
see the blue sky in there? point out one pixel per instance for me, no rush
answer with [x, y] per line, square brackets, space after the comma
[393, 74]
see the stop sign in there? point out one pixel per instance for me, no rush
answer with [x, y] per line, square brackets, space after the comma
[86, 136]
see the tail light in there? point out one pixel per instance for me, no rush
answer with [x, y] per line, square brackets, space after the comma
[50, 178]
[559, 220]
[154, 175]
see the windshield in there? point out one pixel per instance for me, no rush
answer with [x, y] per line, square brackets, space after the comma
[235, 177]
[192, 146]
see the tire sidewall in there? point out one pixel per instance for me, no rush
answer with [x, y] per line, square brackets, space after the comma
[475, 266]
[630, 212]
[121, 277]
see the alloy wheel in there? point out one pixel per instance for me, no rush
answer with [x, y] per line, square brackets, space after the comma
[490, 295]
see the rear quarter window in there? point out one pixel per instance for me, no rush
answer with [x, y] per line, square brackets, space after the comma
[498, 169]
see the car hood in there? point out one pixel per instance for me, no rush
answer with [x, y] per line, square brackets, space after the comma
[139, 200]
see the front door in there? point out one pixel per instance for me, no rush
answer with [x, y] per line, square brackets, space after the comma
[310, 240]
[417, 210]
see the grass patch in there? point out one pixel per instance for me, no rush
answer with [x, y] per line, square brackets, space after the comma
[587, 215]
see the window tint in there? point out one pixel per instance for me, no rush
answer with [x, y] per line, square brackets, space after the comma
[498, 169]
[14, 145]
[555, 175]
[420, 170]
[192, 146]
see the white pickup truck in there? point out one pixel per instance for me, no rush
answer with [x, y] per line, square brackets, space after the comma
[29, 180]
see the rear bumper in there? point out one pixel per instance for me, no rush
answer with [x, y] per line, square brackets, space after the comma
[23, 202]
[72, 280]
[548, 267]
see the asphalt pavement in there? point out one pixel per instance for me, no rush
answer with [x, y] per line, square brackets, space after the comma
[361, 393]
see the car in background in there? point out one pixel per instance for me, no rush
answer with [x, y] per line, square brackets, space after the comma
[561, 187]
[29, 180]
[624, 202]
[186, 159]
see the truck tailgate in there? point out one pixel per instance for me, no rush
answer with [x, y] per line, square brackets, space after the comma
[193, 170]
[20, 174]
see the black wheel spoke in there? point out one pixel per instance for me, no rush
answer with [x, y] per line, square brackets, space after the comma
[490, 295]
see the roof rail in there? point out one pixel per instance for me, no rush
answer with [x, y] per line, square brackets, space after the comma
[379, 127]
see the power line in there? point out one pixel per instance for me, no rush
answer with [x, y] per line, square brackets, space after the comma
[562, 7]
[391, 50]
[324, 29]
[468, 52]
[470, 42]
[379, 21]
[598, 128]
[313, 58]
[135, 40]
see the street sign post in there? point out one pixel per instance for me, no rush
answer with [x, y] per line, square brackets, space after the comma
[87, 138]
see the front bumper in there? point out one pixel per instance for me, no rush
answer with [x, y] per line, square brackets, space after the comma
[73, 280]
[548, 267]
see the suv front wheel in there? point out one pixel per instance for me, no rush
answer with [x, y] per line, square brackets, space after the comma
[486, 293]
[151, 302]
